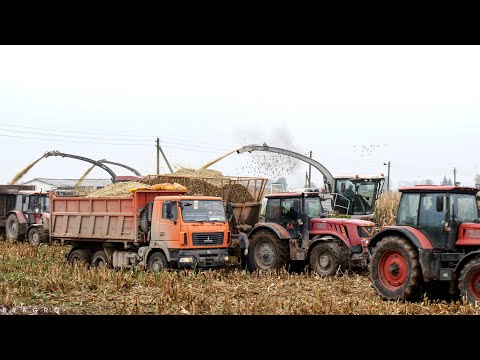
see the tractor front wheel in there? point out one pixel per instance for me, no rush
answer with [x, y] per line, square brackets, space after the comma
[469, 281]
[326, 258]
[395, 270]
[36, 236]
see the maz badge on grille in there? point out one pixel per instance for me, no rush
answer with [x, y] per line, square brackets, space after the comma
[208, 240]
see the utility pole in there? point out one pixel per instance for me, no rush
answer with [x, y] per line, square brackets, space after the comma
[306, 179]
[454, 177]
[165, 158]
[310, 172]
[158, 155]
[388, 176]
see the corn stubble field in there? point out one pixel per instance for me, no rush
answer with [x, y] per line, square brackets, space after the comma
[40, 277]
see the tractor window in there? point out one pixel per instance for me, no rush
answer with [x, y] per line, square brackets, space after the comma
[429, 216]
[288, 211]
[408, 210]
[464, 207]
[273, 210]
[46, 204]
[366, 197]
[313, 208]
[25, 203]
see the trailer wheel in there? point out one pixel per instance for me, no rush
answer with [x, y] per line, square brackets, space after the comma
[268, 251]
[395, 270]
[157, 262]
[13, 228]
[79, 256]
[326, 258]
[35, 237]
[99, 259]
[469, 281]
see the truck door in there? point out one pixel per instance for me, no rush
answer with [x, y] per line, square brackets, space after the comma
[169, 228]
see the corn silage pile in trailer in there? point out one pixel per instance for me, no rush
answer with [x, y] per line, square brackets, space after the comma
[206, 182]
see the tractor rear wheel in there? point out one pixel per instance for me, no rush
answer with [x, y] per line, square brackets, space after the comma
[395, 270]
[268, 251]
[469, 281]
[12, 228]
[326, 258]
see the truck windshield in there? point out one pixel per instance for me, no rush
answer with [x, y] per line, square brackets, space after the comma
[202, 210]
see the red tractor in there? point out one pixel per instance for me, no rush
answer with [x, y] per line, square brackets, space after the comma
[436, 241]
[294, 230]
[29, 218]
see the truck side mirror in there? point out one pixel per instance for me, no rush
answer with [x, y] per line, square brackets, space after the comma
[168, 210]
[439, 203]
[229, 209]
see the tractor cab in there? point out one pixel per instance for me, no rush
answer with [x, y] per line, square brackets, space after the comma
[32, 204]
[292, 210]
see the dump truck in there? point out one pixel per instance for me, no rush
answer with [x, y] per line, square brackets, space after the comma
[23, 213]
[152, 229]
[241, 195]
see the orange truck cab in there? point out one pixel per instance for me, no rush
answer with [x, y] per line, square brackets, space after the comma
[153, 229]
[191, 230]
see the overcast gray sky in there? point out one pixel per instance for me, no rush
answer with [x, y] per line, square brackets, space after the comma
[354, 107]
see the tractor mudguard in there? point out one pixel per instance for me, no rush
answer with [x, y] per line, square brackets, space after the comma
[279, 230]
[415, 236]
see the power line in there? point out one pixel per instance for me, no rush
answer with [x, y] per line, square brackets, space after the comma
[166, 139]
[71, 141]
[69, 131]
[63, 135]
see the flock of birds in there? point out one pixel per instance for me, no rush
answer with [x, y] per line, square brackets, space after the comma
[269, 165]
[366, 150]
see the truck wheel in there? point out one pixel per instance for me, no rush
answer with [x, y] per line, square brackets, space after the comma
[268, 251]
[13, 228]
[99, 259]
[144, 221]
[79, 256]
[326, 258]
[469, 281]
[395, 269]
[35, 238]
[157, 262]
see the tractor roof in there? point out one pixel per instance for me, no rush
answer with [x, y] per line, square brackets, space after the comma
[440, 188]
[291, 194]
